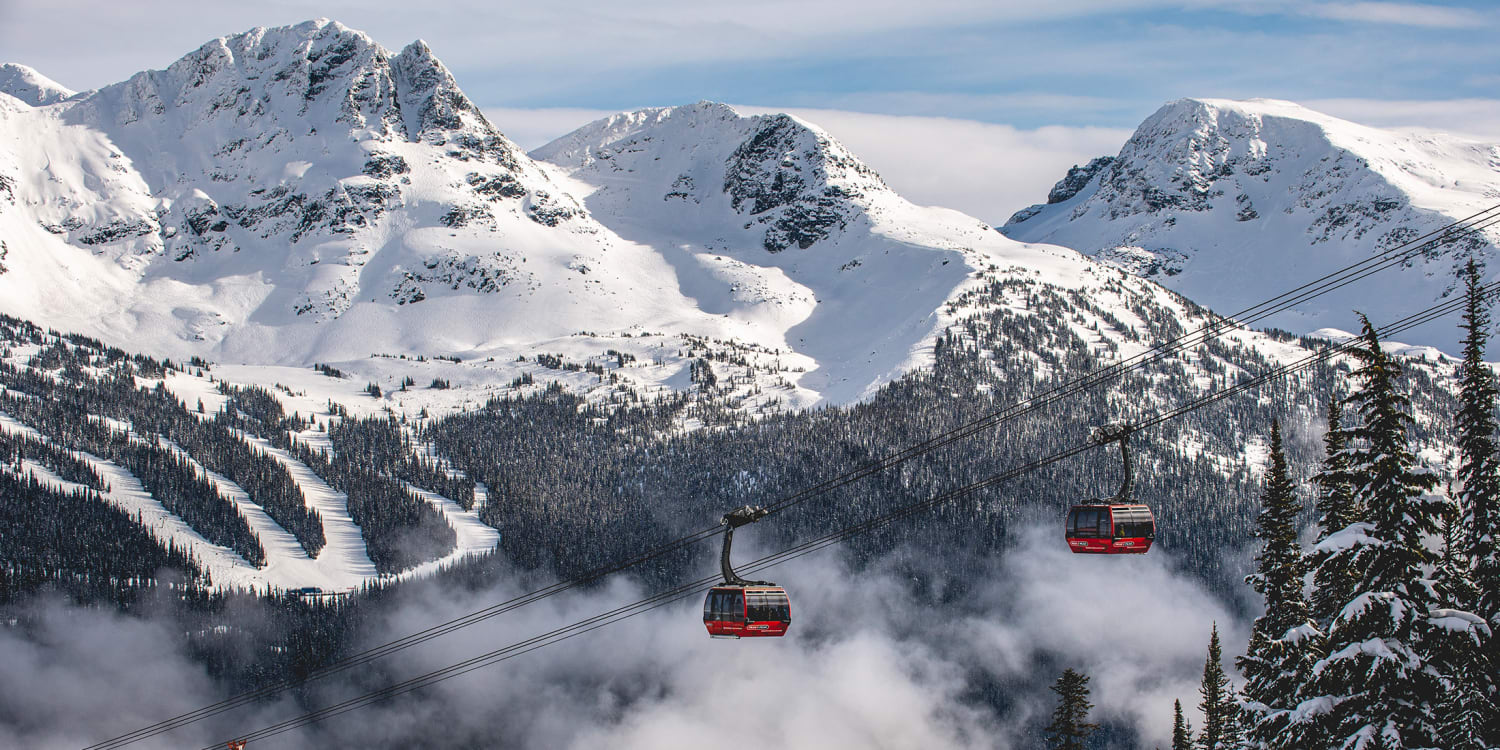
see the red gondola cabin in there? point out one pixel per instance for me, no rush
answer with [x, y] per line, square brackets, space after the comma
[747, 612]
[1111, 529]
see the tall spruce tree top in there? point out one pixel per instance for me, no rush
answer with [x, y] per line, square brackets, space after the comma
[1070, 729]
[1376, 681]
[1334, 576]
[1182, 730]
[1469, 574]
[1388, 479]
[1284, 642]
[1279, 566]
[1479, 466]
[1220, 711]
[1336, 503]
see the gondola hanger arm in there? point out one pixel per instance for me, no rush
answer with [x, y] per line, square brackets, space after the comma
[1118, 432]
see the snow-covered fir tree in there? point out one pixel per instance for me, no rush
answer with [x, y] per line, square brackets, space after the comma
[1479, 465]
[1453, 574]
[1468, 575]
[1465, 714]
[1376, 685]
[1284, 642]
[1337, 507]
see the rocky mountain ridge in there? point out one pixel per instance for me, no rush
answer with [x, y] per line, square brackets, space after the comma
[1229, 202]
[301, 194]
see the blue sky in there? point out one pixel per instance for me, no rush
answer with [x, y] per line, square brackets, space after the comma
[956, 75]
[1109, 68]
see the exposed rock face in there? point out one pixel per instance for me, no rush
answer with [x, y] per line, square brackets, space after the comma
[1077, 178]
[795, 181]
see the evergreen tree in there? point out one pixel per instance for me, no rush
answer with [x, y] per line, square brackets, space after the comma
[1182, 729]
[1479, 465]
[1220, 710]
[1466, 714]
[1334, 576]
[1284, 642]
[1070, 728]
[1376, 680]
[1453, 575]
[1479, 473]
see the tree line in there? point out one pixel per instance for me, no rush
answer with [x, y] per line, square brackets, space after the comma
[1381, 636]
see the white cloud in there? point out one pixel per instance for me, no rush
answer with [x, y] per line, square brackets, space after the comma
[532, 128]
[985, 107]
[1478, 118]
[984, 169]
[1401, 14]
[865, 664]
[1139, 630]
[74, 676]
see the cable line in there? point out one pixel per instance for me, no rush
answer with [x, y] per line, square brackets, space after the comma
[1469, 226]
[697, 586]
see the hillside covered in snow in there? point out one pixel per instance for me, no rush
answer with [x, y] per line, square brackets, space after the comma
[300, 194]
[394, 333]
[1232, 202]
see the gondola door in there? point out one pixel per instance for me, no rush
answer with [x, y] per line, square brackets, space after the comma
[724, 612]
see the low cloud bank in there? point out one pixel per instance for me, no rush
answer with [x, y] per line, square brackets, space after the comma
[867, 664]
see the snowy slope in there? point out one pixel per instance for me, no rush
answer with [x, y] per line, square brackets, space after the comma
[771, 223]
[1231, 202]
[300, 194]
[342, 564]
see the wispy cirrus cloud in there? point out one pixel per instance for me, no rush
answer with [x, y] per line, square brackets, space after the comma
[1402, 14]
[1036, 63]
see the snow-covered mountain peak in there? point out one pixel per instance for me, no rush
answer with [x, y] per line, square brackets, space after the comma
[26, 84]
[772, 223]
[301, 194]
[582, 146]
[314, 76]
[294, 171]
[1193, 142]
[1226, 201]
[790, 182]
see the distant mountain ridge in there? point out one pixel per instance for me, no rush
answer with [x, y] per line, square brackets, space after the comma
[1229, 202]
[301, 194]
